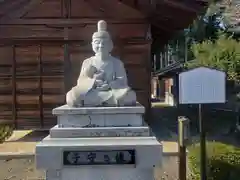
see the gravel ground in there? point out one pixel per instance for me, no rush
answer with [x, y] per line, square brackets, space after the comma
[24, 169]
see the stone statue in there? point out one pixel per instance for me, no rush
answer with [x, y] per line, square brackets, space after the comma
[102, 80]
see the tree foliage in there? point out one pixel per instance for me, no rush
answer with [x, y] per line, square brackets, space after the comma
[205, 26]
[6, 131]
[222, 54]
[221, 15]
[230, 10]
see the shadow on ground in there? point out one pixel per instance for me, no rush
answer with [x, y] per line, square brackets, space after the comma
[219, 124]
[163, 123]
[33, 136]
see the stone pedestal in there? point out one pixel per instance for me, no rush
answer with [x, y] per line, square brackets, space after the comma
[99, 143]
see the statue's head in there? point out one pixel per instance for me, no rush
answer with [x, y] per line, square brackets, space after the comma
[101, 40]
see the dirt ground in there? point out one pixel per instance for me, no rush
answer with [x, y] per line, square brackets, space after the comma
[24, 169]
[20, 169]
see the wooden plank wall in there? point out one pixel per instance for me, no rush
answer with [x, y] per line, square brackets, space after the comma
[136, 58]
[6, 86]
[52, 81]
[31, 84]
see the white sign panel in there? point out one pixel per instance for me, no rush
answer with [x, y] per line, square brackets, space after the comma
[201, 86]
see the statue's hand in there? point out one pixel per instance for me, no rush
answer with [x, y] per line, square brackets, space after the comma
[90, 71]
[104, 87]
[98, 83]
[99, 75]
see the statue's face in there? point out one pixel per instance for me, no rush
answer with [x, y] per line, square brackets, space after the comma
[102, 45]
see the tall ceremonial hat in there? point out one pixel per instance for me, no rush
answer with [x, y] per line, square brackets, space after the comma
[101, 30]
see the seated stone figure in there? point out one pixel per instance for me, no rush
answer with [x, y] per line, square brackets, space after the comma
[102, 80]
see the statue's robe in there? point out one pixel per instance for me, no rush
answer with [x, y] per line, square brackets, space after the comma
[85, 93]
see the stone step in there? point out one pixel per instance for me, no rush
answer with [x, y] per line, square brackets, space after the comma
[93, 141]
[57, 132]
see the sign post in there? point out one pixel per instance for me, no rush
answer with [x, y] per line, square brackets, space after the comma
[183, 134]
[202, 86]
[202, 144]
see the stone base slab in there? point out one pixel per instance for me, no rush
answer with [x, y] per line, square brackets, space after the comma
[65, 109]
[101, 120]
[99, 116]
[49, 152]
[100, 174]
[57, 132]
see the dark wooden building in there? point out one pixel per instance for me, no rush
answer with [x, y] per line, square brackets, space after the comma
[165, 82]
[43, 43]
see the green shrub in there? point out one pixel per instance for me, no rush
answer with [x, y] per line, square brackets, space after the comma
[223, 161]
[5, 132]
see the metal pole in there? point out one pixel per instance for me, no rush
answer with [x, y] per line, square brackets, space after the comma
[186, 49]
[202, 144]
